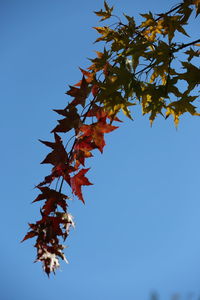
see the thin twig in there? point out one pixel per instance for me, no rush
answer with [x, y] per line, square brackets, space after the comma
[186, 45]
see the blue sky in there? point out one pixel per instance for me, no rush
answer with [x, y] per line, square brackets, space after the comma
[139, 229]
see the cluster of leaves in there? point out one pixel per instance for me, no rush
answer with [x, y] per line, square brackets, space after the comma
[137, 66]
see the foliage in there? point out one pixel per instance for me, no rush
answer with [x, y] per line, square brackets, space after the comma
[138, 66]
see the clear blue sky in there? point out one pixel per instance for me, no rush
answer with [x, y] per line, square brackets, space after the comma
[139, 230]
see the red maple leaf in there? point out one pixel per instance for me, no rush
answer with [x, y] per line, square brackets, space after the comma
[84, 144]
[71, 120]
[53, 199]
[80, 94]
[60, 170]
[101, 114]
[51, 225]
[77, 181]
[82, 149]
[29, 235]
[58, 155]
[96, 131]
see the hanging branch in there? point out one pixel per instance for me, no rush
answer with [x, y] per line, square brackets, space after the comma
[115, 81]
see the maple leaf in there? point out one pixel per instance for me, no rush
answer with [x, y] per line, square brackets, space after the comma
[82, 149]
[100, 61]
[100, 113]
[71, 120]
[51, 224]
[192, 53]
[58, 155]
[96, 131]
[67, 220]
[53, 198]
[84, 143]
[80, 94]
[60, 170]
[80, 157]
[49, 256]
[192, 75]
[89, 77]
[177, 108]
[49, 260]
[29, 235]
[105, 14]
[77, 181]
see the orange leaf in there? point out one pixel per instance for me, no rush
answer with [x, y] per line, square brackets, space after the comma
[101, 114]
[90, 76]
[82, 149]
[77, 181]
[96, 131]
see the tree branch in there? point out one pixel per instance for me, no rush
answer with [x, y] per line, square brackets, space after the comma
[187, 45]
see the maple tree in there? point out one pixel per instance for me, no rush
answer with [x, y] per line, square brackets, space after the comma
[138, 66]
